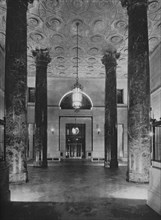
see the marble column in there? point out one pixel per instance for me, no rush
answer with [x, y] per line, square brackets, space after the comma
[16, 132]
[109, 60]
[4, 169]
[42, 59]
[138, 92]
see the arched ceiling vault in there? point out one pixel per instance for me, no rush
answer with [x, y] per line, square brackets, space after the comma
[103, 24]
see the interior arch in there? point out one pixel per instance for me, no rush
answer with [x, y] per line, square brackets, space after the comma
[66, 101]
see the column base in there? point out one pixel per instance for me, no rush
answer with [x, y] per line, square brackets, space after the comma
[37, 164]
[40, 164]
[4, 183]
[137, 177]
[44, 164]
[113, 164]
[18, 177]
[107, 164]
[5, 196]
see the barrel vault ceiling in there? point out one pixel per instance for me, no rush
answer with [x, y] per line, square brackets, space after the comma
[103, 25]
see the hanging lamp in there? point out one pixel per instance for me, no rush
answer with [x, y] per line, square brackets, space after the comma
[77, 93]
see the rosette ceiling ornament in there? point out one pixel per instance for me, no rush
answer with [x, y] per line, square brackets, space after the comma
[77, 95]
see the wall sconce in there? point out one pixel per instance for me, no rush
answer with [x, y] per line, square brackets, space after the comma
[151, 134]
[52, 130]
[98, 129]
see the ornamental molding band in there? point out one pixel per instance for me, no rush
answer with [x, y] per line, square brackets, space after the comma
[103, 23]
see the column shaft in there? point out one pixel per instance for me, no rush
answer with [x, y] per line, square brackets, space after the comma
[40, 148]
[15, 89]
[139, 93]
[109, 60]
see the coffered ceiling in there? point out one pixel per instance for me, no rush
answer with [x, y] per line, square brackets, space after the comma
[103, 25]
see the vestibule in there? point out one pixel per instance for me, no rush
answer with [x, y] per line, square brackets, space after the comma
[111, 128]
[93, 118]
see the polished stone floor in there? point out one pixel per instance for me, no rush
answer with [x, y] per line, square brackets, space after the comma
[78, 190]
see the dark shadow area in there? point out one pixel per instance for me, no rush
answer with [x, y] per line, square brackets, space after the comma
[101, 209]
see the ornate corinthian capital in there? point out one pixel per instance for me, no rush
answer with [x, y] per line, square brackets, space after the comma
[130, 4]
[19, 3]
[109, 59]
[41, 55]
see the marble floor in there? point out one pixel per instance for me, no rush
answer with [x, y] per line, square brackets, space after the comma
[78, 190]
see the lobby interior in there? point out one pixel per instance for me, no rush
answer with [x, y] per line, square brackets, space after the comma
[97, 156]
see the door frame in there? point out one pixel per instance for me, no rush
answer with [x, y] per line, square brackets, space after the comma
[78, 117]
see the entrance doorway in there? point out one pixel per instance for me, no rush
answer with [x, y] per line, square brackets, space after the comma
[75, 141]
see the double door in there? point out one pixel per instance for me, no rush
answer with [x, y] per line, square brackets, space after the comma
[75, 141]
[74, 150]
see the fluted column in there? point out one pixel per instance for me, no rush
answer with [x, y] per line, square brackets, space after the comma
[15, 89]
[42, 59]
[138, 91]
[109, 60]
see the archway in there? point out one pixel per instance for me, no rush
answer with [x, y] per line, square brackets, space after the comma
[66, 101]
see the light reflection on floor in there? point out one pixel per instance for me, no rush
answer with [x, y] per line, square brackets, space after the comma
[76, 182]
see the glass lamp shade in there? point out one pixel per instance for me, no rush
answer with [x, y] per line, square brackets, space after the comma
[75, 130]
[77, 98]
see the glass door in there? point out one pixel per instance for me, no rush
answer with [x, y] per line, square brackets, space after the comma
[75, 141]
[74, 150]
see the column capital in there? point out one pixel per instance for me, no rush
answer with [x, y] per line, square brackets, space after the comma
[132, 4]
[109, 59]
[19, 2]
[42, 56]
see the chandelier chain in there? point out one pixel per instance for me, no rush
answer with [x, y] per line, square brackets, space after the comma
[77, 78]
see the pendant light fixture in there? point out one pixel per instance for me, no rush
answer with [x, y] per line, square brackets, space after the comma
[77, 93]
